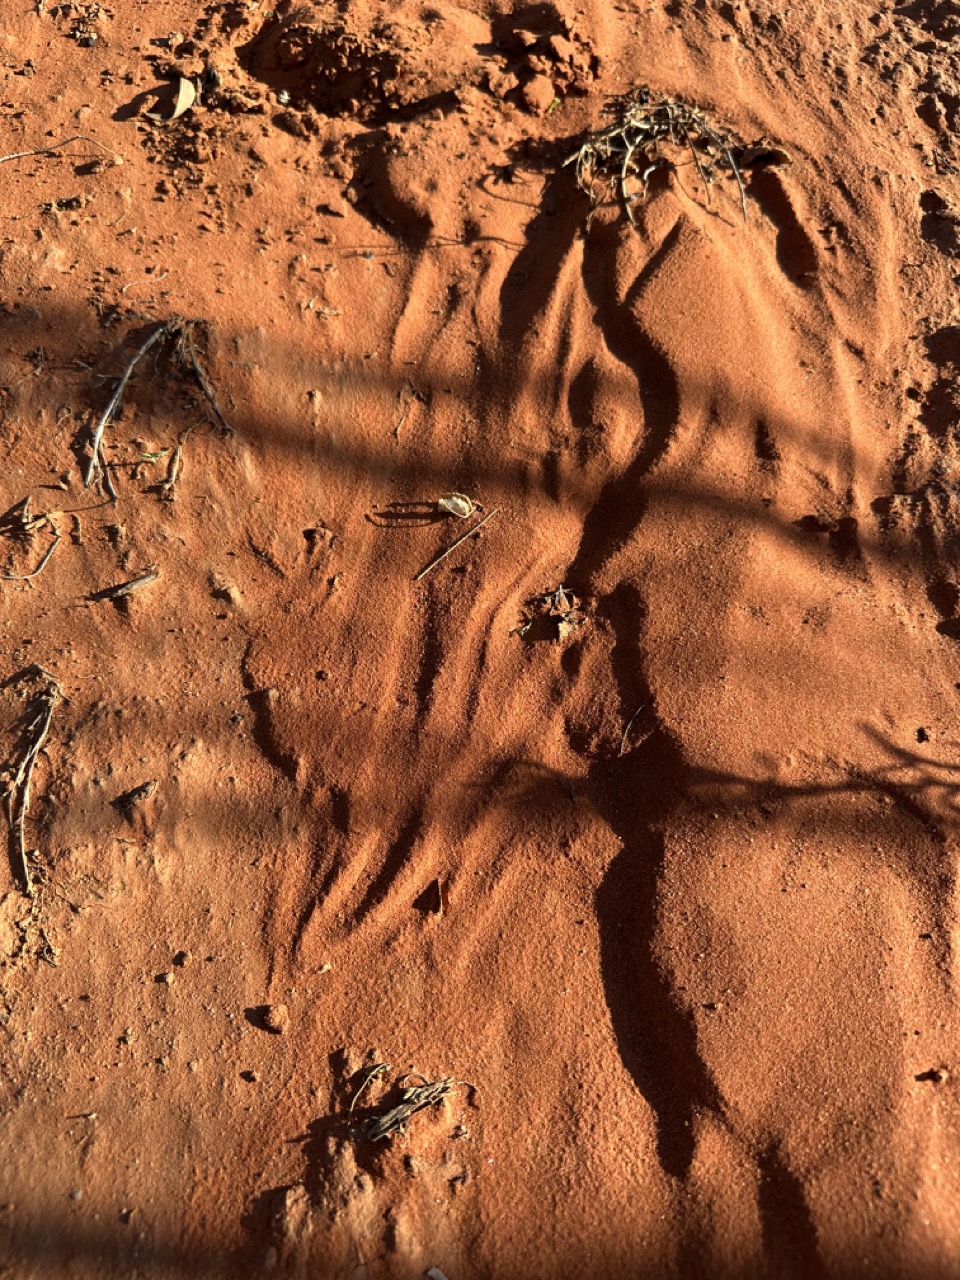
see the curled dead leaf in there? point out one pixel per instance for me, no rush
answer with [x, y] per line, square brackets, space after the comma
[183, 100]
[761, 154]
[457, 504]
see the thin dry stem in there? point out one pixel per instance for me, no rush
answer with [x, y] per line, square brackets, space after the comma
[26, 577]
[32, 737]
[46, 151]
[96, 463]
[453, 546]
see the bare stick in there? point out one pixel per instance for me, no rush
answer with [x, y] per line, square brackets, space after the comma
[453, 546]
[40, 728]
[733, 165]
[18, 793]
[627, 157]
[186, 344]
[127, 588]
[696, 161]
[25, 577]
[46, 151]
[95, 445]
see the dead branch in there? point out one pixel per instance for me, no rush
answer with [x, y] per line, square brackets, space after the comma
[35, 727]
[96, 463]
[123, 589]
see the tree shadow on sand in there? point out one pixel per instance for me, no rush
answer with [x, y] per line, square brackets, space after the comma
[637, 794]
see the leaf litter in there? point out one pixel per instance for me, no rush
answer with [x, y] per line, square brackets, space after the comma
[554, 615]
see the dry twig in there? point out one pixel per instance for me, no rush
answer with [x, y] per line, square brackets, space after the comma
[46, 151]
[182, 331]
[629, 726]
[189, 353]
[35, 727]
[123, 589]
[96, 459]
[414, 1098]
[378, 1069]
[453, 546]
[26, 577]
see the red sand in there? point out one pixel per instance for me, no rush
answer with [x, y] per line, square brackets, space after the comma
[696, 860]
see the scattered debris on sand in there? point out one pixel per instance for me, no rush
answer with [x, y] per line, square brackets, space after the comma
[555, 615]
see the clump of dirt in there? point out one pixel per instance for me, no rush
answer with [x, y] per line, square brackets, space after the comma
[331, 68]
[940, 108]
[941, 18]
[940, 225]
[313, 59]
[543, 58]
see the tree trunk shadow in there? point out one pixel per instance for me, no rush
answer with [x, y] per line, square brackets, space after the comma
[655, 1035]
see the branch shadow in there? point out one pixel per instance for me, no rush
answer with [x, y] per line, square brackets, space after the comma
[655, 1038]
[636, 796]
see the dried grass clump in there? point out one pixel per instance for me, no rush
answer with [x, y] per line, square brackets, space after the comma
[646, 136]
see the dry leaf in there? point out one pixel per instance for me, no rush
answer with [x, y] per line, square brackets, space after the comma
[186, 97]
[763, 153]
[458, 504]
[553, 615]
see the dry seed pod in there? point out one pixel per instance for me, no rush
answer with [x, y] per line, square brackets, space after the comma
[457, 504]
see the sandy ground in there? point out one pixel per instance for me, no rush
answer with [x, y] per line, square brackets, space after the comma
[667, 894]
